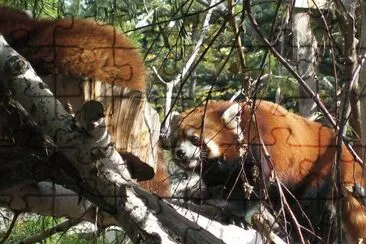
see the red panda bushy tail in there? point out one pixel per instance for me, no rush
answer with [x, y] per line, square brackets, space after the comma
[354, 217]
[75, 47]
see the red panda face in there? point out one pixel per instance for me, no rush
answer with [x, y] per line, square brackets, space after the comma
[206, 132]
[194, 146]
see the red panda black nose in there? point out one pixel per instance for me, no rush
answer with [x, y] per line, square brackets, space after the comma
[180, 153]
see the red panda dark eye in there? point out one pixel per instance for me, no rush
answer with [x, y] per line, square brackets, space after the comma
[195, 140]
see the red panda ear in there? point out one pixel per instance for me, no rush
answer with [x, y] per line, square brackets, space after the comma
[231, 116]
[175, 118]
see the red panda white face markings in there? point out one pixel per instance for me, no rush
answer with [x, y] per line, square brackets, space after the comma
[189, 151]
[187, 154]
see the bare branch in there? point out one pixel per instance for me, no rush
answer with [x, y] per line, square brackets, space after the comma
[263, 227]
[62, 227]
[11, 227]
[239, 46]
[156, 72]
[187, 67]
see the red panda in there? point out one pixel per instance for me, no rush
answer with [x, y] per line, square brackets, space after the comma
[225, 142]
[79, 48]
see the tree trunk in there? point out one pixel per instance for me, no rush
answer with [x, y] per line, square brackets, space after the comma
[362, 84]
[134, 126]
[304, 48]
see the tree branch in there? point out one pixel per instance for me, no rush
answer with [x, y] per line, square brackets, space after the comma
[10, 229]
[239, 46]
[187, 66]
[62, 227]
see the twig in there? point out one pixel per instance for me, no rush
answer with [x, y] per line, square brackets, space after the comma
[185, 70]
[238, 44]
[11, 227]
[265, 229]
[187, 67]
[156, 72]
[62, 227]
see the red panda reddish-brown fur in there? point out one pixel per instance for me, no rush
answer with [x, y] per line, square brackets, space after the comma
[75, 47]
[160, 184]
[302, 151]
